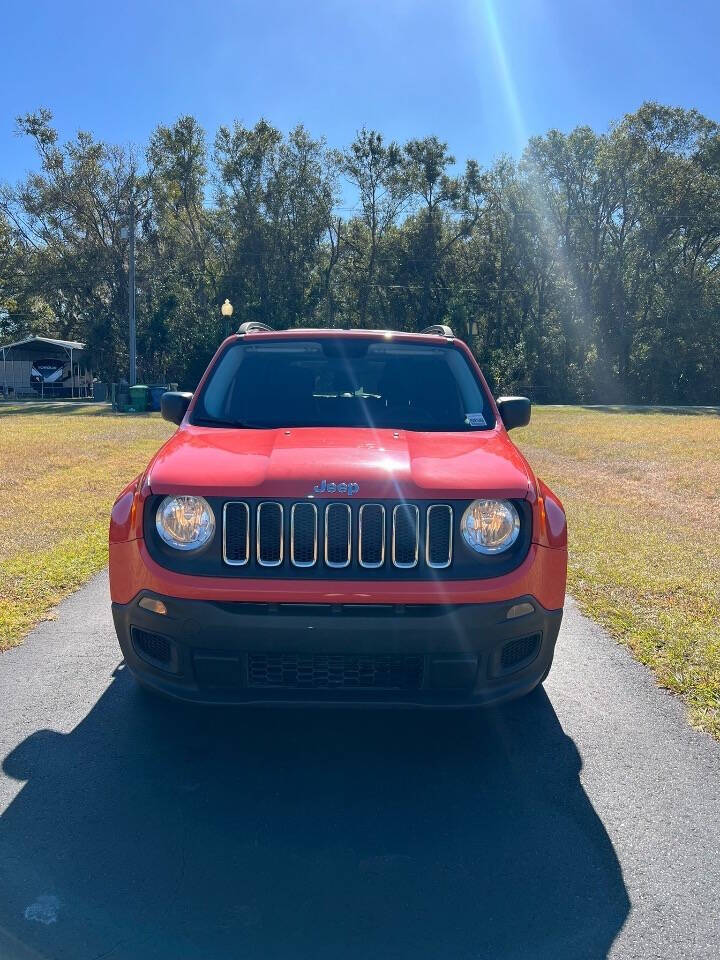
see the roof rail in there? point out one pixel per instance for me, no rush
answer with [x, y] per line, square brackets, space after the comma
[441, 329]
[254, 326]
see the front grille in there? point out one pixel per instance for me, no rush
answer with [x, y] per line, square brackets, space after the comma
[334, 672]
[337, 535]
[310, 539]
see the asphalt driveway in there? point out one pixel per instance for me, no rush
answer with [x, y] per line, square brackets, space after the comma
[580, 823]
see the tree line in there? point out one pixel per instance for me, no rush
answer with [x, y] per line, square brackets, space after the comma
[587, 270]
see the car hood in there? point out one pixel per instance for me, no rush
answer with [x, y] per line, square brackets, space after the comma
[294, 463]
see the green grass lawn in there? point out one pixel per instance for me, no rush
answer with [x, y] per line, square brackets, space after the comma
[641, 489]
[642, 494]
[60, 470]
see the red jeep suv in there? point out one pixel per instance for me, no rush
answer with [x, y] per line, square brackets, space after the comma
[340, 517]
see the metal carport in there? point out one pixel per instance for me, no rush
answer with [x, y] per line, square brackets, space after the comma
[45, 367]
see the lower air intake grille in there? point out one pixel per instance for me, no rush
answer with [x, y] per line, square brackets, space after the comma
[518, 650]
[334, 672]
[152, 646]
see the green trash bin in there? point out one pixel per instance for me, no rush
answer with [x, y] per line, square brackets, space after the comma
[139, 398]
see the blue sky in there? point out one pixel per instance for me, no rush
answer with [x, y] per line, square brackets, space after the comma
[481, 74]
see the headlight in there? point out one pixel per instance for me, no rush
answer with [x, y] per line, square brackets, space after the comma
[490, 526]
[186, 523]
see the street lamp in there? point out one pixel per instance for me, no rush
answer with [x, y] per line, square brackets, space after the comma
[227, 311]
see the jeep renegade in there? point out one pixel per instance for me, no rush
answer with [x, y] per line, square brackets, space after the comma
[340, 517]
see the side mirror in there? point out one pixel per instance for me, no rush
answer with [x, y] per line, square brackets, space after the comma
[173, 406]
[514, 411]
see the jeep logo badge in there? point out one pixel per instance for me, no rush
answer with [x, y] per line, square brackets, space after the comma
[350, 489]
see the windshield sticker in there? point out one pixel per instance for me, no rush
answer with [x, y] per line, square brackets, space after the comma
[475, 420]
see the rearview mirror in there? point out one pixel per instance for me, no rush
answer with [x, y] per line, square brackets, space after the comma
[514, 411]
[173, 406]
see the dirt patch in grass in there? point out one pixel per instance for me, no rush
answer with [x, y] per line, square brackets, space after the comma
[60, 471]
[642, 494]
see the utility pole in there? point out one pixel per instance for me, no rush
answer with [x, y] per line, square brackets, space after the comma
[131, 298]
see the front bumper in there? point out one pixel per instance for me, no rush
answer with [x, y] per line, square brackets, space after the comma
[459, 654]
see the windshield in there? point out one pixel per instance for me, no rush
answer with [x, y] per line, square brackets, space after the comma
[343, 383]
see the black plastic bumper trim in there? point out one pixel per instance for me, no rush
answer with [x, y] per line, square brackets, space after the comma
[460, 641]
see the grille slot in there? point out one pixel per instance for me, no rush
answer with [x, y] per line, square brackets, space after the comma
[371, 536]
[303, 535]
[270, 534]
[338, 534]
[439, 536]
[334, 672]
[236, 533]
[406, 521]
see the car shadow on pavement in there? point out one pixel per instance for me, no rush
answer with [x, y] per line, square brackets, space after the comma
[167, 831]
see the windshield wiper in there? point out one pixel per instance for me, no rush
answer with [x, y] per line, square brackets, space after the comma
[211, 422]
